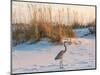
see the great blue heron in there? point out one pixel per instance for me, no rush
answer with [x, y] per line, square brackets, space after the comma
[60, 55]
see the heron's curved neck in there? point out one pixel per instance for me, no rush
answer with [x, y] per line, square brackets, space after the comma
[65, 47]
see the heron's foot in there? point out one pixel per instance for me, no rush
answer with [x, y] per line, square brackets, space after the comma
[61, 67]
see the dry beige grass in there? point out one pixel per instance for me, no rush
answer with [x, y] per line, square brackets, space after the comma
[42, 26]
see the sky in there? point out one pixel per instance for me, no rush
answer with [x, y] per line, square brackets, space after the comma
[22, 12]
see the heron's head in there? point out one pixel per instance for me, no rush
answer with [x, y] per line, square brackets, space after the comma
[67, 43]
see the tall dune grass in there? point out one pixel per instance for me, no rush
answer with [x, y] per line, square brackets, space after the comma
[41, 26]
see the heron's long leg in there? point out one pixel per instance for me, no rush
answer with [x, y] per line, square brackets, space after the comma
[61, 63]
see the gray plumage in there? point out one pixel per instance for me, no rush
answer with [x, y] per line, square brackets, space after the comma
[60, 56]
[61, 53]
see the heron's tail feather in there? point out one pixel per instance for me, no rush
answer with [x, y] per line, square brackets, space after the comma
[56, 58]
